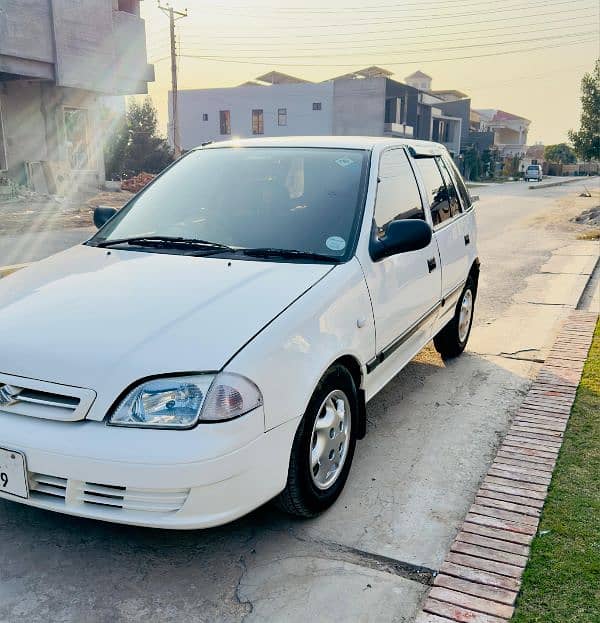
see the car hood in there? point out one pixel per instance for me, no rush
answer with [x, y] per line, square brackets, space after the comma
[100, 319]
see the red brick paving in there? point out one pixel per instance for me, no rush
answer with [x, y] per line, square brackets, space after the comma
[481, 576]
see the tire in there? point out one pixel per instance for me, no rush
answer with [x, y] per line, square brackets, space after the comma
[452, 339]
[302, 495]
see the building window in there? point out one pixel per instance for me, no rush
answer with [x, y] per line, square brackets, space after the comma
[204, 116]
[77, 138]
[316, 105]
[258, 126]
[3, 159]
[225, 121]
[282, 116]
[129, 6]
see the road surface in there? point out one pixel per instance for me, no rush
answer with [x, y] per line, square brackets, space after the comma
[432, 433]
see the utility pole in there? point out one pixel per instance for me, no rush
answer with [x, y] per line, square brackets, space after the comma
[174, 15]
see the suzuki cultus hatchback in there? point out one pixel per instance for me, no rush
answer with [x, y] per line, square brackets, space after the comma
[214, 345]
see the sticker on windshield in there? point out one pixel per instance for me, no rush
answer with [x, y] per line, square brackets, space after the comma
[345, 162]
[335, 243]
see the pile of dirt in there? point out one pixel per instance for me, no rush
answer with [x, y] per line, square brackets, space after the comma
[31, 212]
[589, 217]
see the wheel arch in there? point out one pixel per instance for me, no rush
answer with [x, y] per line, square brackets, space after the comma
[474, 273]
[355, 369]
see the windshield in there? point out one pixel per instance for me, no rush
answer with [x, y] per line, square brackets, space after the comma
[302, 199]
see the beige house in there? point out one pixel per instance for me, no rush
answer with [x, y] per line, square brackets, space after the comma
[510, 131]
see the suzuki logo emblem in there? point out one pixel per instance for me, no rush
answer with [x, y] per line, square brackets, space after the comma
[8, 395]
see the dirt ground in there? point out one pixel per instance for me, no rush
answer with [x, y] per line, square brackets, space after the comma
[576, 213]
[36, 213]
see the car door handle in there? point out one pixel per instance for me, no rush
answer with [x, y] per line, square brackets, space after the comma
[467, 239]
[431, 264]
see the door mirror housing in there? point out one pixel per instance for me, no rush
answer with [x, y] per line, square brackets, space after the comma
[400, 237]
[103, 214]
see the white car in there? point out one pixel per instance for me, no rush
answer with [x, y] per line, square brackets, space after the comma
[214, 345]
[533, 173]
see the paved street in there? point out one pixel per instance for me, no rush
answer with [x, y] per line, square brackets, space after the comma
[432, 433]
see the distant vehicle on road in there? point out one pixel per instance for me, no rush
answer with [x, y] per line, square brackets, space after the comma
[214, 345]
[533, 173]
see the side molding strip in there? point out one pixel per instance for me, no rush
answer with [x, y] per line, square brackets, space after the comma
[393, 346]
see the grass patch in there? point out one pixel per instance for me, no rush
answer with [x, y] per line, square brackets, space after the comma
[594, 234]
[561, 583]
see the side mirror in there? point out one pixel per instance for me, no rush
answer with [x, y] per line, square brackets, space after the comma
[103, 214]
[474, 198]
[401, 237]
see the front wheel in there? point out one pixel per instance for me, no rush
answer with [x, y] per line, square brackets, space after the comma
[452, 339]
[323, 447]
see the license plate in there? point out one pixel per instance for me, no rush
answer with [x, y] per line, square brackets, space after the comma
[13, 479]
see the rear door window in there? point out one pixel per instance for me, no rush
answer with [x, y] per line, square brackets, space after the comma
[463, 191]
[455, 208]
[437, 192]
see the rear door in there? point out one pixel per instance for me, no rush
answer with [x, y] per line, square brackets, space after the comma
[446, 212]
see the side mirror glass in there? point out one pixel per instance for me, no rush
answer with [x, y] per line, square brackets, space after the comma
[401, 237]
[474, 198]
[103, 214]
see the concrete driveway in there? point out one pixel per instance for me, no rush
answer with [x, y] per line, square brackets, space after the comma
[432, 434]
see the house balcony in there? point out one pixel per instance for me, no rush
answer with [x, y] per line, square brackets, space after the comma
[132, 72]
[511, 149]
[399, 130]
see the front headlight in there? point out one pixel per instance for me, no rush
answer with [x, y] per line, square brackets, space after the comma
[183, 401]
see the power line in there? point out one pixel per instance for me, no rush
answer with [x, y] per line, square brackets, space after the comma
[399, 32]
[352, 9]
[354, 65]
[431, 18]
[379, 46]
[426, 50]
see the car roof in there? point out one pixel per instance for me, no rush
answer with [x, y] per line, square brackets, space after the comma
[337, 142]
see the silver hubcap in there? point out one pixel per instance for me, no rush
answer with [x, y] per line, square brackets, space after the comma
[330, 439]
[464, 319]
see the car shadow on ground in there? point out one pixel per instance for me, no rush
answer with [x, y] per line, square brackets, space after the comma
[432, 432]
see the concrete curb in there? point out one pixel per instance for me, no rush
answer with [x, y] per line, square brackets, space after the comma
[551, 184]
[481, 576]
[8, 270]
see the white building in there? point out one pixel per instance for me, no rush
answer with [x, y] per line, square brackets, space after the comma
[365, 102]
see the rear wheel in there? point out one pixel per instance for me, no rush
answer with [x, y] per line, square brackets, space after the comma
[323, 447]
[452, 339]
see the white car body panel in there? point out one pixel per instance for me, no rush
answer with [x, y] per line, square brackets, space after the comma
[314, 332]
[65, 320]
[94, 322]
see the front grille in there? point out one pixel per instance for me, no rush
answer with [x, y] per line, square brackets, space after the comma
[111, 497]
[39, 399]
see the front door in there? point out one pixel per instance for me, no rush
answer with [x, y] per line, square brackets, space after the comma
[405, 288]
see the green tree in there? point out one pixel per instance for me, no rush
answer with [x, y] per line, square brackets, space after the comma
[135, 144]
[587, 140]
[561, 153]
[511, 166]
[472, 164]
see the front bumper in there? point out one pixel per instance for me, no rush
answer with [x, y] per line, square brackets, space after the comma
[191, 479]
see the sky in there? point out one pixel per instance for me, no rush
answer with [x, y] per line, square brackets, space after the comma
[526, 57]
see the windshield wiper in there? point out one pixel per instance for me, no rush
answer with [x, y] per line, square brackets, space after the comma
[288, 253]
[165, 242]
